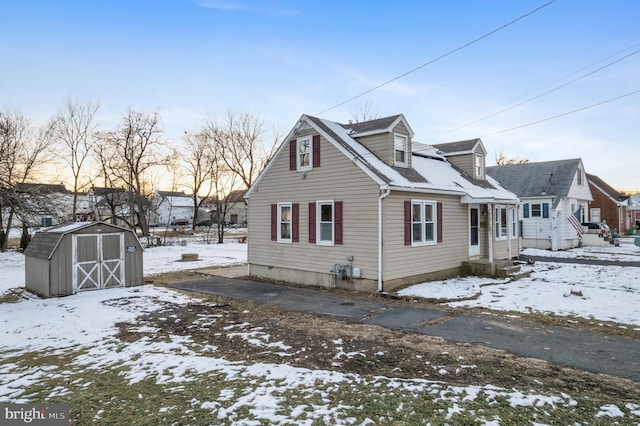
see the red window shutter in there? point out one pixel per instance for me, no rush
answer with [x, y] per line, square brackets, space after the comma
[407, 223]
[295, 222]
[274, 222]
[337, 219]
[312, 222]
[292, 154]
[439, 214]
[316, 151]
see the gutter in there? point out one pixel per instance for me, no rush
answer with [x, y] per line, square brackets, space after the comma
[385, 192]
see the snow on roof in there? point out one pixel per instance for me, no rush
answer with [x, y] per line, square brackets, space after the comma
[180, 201]
[439, 175]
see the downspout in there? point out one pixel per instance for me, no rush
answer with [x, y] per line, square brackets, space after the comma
[510, 214]
[491, 233]
[383, 195]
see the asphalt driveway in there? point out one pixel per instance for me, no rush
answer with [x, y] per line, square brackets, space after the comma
[594, 352]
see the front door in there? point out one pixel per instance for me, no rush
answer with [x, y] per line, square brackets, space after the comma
[474, 232]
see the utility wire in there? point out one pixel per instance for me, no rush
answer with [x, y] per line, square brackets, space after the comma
[566, 113]
[547, 92]
[439, 57]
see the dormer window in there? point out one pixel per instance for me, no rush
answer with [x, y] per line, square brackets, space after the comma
[304, 154]
[479, 166]
[400, 150]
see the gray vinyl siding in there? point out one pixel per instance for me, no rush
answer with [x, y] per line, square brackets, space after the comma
[336, 179]
[382, 144]
[464, 163]
[404, 261]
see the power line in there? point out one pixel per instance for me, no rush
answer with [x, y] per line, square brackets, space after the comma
[547, 92]
[439, 57]
[566, 113]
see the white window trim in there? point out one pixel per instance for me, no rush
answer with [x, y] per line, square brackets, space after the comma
[299, 167]
[498, 225]
[480, 158]
[514, 222]
[539, 211]
[434, 222]
[406, 150]
[319, 240]
[279, 230]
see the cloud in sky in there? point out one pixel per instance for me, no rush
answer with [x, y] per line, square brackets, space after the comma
[266, 7]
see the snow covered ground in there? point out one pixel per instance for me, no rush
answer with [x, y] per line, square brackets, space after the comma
[606, 293]
[32, 324]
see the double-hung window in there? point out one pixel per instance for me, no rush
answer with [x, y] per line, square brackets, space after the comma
[284, 222]
[304, 152]
[400, 147]
[536, 210]
[423, 223]
[479, 166]
[326, 222]
[514, 223]
[501, 223]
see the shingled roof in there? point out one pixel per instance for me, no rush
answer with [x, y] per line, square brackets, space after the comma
[537, 179]
[607, 189]
[459, 147]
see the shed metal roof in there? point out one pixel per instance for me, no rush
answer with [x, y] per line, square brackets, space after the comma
[44, 242]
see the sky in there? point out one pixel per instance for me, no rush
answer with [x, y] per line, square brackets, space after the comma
[193, 60]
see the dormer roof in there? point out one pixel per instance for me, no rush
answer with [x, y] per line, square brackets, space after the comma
[460, 147]
[379, 125]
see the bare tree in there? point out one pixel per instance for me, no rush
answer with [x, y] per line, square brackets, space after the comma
[23, 150]
[200, 165]
[501, 160]
[74, 128]
[240, 142]
[127, 156]
[363, 114]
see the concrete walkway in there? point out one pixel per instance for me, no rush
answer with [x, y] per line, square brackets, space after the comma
[594, 352]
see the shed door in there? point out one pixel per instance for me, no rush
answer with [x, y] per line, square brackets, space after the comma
[98, 261]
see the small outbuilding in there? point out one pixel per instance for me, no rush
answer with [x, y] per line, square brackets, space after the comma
[79, 256]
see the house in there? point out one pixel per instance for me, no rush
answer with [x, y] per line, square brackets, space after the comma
[171, 207]
[43, 204]
[111, 205]
[362, 206]
[233, 205]
[550, 192]
[609, 205]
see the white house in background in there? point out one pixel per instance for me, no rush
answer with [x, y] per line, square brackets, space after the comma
[170, 206]
[549, 193]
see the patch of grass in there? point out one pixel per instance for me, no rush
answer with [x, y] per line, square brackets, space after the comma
[10, 297]
[370, 374]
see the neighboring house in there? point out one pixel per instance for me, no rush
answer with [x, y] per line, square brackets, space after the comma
[171, 207]
[362, 206]
[110, 205]
[43, 204]
[549, 193]
[634, 209]
[609, 205]
[235, 209]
